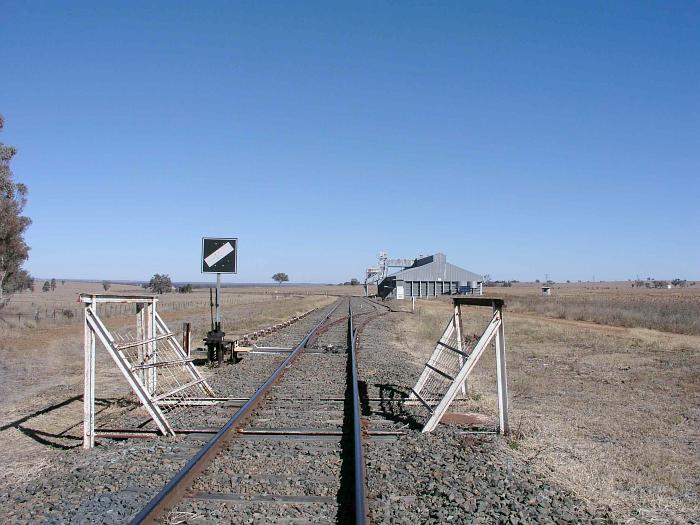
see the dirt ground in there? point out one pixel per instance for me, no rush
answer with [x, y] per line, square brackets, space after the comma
[612, 413]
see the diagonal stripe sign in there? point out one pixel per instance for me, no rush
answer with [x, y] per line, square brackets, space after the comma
[218, 254]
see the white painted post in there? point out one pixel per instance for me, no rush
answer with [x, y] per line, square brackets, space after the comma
[140, 336]
[122, 363]
[89, 388]
[502, 378]
[413, 303]
[154, 358]
[457, 320]
[151, 347]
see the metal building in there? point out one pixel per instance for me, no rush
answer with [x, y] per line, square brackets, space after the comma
[428, 277]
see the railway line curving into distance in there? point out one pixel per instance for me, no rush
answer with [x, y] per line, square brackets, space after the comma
[311, 428]
[294, 449]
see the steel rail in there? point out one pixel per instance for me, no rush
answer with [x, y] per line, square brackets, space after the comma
[361, 506]
[330, 325]
[180, 483]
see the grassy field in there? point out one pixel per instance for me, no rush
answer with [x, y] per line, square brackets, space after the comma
[29, 347]
[59, 307]
[610, 412]
[604, 404]
[619, 304]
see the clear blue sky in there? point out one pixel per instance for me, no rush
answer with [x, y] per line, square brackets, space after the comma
[518, 138]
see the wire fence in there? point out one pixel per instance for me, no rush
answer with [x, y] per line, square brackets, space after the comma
[30, 314]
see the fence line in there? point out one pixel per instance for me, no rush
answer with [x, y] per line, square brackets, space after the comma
[57, 314]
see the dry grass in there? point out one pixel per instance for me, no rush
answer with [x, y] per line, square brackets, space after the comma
[617, 304]
[54, 353]
[676, 315]
[60, 307]
[610, 413]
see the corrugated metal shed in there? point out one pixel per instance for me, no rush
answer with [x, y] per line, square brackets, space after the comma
[436, 268]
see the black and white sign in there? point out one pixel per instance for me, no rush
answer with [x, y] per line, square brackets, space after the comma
[219, 255]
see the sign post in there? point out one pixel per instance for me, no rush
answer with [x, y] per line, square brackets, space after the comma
[219, 255]
[218, 292]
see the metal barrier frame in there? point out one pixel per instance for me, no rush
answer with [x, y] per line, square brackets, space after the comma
[142, 378]
[467, 361]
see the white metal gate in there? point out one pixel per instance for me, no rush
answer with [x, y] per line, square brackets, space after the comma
[446, 372]
[151, 360]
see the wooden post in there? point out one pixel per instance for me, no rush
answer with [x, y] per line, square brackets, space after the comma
[186, 327]
[501, 376]
[89, 388]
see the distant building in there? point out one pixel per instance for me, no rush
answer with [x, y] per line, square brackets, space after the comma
[428, 277]
[546, 291]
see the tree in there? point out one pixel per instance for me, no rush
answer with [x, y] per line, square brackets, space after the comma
[46, 287]
[280, 277]
[53, 284]
[160, 283]
[187, 288]
[19, 281]
[63, 282]
[106, 285]
[354, 282]
[13, 197]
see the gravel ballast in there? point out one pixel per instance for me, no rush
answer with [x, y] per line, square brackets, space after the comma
[444, 476]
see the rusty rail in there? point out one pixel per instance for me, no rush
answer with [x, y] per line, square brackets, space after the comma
[178, 485]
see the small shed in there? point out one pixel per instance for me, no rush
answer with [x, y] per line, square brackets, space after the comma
[546, 291]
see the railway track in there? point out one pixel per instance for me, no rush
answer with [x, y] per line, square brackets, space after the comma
[293, 452]
[293, 457]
